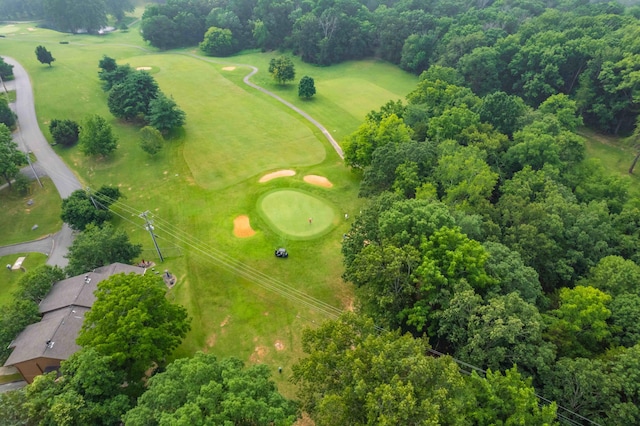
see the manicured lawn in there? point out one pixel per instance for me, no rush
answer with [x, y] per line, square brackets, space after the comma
[297, 214]
[10, 278]
[21, 217]
[243, 301]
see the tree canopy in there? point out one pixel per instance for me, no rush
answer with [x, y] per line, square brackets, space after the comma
[132, 322]
[44, 56]
[282, 69]
[96, 136]
[10, 157]
[99, 246]
[82, 208]
[205, 390]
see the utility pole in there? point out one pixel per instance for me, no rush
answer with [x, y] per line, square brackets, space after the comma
[149, 227]
[92, 199]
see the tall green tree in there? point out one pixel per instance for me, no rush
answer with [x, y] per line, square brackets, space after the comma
[150, 140]
[72, 16]
[36, 283]
[164, 114]
[282, 69]
[306, 87]
[132, 322]
[6, 70]
[82, 208]
[99, 246]
[217, 42]
[579, 326]
[204, 390]
[130, 99]
[64, 132]
[90, 391]
[10, 157]
[96, 136]
[508, 399]
[44, 56]
[7, 116]
[353, 374]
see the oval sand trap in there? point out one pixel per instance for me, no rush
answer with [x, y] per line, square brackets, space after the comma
[296, 213]
[242, 227]
[318, 180]
[228, 68]
[279, 173]
[143, 68]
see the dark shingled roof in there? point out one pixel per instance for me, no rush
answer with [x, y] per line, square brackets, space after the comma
[79, 290]
[63, 313]
[53, 337]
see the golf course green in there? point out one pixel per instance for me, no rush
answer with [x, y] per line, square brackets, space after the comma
[297, 214]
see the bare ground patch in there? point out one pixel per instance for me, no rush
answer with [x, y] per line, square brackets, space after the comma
[273, 175]
[318, 180]
[279, 345]
[258, 354]
[225, 321]
[242, 227]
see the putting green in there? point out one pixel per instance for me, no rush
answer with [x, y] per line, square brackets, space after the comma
[289, 211]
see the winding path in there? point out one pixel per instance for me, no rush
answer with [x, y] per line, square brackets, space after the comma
[30, 139]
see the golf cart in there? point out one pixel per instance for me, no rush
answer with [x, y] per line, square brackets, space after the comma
[281, 253]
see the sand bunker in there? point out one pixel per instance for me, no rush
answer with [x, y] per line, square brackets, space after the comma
[143, 68]
[318, 180]
[242, 227]
[279, 173]
[228, 68]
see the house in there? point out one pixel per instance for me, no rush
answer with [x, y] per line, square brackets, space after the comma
[40, 347]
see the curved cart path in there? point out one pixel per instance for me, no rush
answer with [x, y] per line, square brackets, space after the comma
[29, 138]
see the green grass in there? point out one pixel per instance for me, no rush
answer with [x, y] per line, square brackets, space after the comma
[240, 297]
[10, 378]
[21, 217]
[615, 156]
[297, 214]
[10, 278]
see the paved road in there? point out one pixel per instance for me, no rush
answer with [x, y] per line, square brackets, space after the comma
[30, 138]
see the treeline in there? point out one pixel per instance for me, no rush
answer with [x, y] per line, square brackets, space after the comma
[588, 51]
[488, 230]
[66, 15]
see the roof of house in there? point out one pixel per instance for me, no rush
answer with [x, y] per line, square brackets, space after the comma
[79, 290]
[53, 337]
[63, 312]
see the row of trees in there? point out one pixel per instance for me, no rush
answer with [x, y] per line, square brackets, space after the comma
[134, 95]
[72, 16]
[489, 230]
[585, 50]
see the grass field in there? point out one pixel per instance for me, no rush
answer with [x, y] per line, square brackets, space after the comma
[243, 301]
[19, 217]
[10, 278]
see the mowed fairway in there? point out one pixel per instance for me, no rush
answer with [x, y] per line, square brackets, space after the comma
[242, 300]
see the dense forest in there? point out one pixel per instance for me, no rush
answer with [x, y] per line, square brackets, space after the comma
[487, 233]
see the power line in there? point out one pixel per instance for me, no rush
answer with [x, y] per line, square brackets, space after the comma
[293, 294]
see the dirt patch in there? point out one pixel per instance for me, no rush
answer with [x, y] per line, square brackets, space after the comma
[228, 68]
[318, 180]
[279, 345]
[143, 68]
[242, 227]
[211, 340]
[258, 354]
[31, 29]
[279, 173]
[225, 321]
